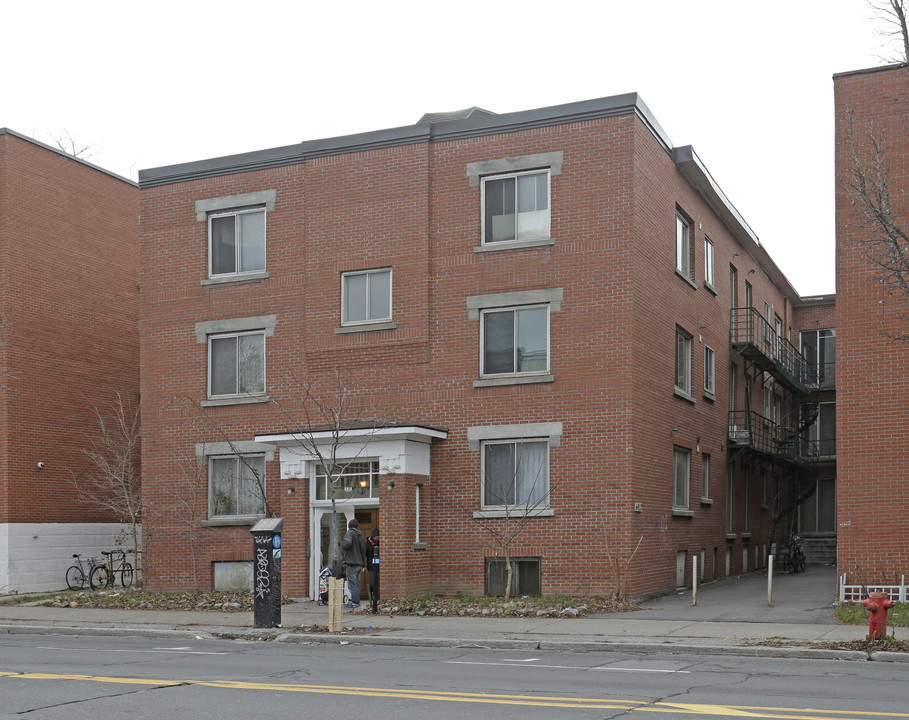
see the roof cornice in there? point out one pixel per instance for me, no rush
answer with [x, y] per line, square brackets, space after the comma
[475, 125]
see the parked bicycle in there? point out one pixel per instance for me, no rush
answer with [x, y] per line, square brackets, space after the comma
[791, 557]
[106, 573]
[79, 575]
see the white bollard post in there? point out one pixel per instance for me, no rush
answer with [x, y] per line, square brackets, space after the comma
[770, 581]
[694, 579]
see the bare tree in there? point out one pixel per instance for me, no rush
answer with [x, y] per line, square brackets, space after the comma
[330, 418]
[114, 483]
[517, 489]
[882, 228]
[892, 14]
[209, 429]
[68, 144]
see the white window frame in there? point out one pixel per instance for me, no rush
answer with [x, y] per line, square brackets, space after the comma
[241, 460]
[236, 215]
[683, 244]
[370, 320]
[238, 394]
[515, 309]
[683, 361]
[681, 481]
[540, 500]
[709, 263]
[709, 371]
[542, 234]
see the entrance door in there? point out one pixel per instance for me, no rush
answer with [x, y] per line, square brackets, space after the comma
[368, 518]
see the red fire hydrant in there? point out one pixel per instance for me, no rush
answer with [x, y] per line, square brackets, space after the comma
[878, 603]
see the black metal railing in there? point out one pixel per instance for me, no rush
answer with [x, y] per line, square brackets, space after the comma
[749, 330]
[823, 375]
[749, 429]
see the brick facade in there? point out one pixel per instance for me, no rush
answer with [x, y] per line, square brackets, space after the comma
[874, 494]
[69, 307]
[410, 200]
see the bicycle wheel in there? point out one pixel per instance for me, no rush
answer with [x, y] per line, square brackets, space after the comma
[98, 577]
[126, 575]
[75, 578]
[799, 561]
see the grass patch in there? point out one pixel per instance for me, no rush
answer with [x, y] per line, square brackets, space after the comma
[856, 614]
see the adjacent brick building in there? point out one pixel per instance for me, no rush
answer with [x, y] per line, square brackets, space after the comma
[552, 313]
[873, 502]
[69, 321]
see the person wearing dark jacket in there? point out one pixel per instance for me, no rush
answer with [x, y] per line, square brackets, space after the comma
[354, 557]
[372, 564]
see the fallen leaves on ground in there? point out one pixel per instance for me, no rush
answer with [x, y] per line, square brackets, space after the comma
[217, 601]
[888, 644]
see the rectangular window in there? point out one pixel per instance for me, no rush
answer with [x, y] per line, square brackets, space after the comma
[236, 364]
[819, 349]
[681, 477]
[683, 244]
[708, 262]
[746, 481]
[515, 340]
[705, 475]
[516, 206]
[515, 473]
[817, 514]
[709, 370]
[350, 480]
[732, 387]
[822, 432]
[525, 576]
[729, 488]
[236, 485]
[236, 242]
[683, 361]
[366, 296]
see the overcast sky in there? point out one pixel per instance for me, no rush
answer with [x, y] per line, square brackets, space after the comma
[749, 85]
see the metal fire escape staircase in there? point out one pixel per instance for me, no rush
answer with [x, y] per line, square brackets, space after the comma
[772, 358]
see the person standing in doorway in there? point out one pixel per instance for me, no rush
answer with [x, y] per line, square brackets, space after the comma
[354, 557]
[372, 564]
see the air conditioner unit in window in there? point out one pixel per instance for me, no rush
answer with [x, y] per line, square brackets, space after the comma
[739, 435]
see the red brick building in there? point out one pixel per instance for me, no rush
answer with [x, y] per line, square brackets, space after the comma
[553, 316]
[69, 317]
[873, 503]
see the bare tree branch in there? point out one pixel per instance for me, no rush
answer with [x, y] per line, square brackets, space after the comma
[882, 232]
[323, 426]
[892, 14]
[67, 143]
[512, 516]
[114, 482]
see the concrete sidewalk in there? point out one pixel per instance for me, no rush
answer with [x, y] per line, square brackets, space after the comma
[732, 617]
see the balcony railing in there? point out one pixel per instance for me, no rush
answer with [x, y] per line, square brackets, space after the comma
[761, 434]
[757, 340]
[823, 375]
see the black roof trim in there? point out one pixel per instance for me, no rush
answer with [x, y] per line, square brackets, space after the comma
[473, 124]
[882, 68]
[281, 156]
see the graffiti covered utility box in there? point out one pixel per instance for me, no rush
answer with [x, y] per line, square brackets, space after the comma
[267, 572]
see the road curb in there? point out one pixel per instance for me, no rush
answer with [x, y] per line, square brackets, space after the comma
[661, 646]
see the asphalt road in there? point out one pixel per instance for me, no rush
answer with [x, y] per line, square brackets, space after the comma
[50, 677]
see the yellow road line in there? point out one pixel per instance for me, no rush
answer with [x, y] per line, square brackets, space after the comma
[775, 713]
